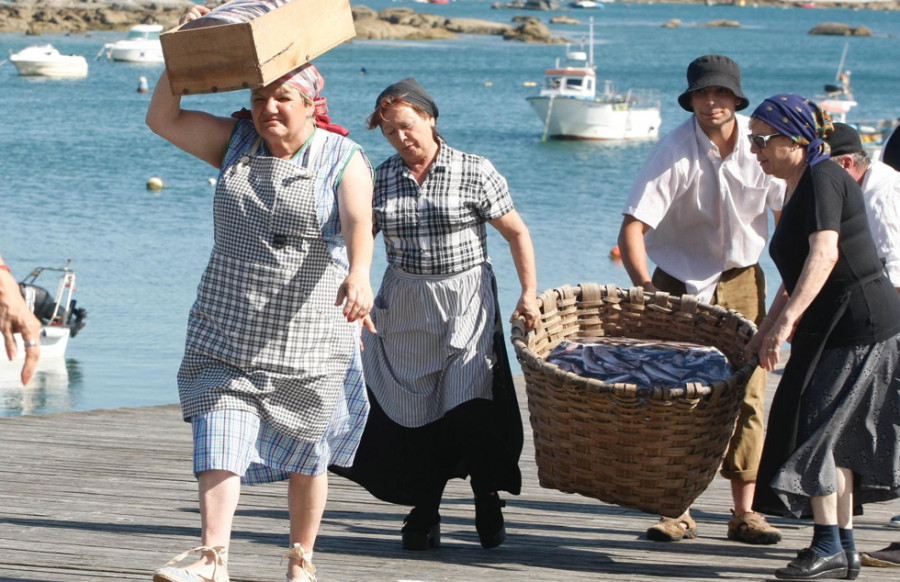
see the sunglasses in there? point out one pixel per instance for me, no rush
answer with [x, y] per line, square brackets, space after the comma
[761, 141]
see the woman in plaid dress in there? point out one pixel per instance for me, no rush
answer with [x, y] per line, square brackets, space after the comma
[443, 402]
[271, 379]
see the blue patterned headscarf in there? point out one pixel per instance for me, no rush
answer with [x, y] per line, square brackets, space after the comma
[801, 120]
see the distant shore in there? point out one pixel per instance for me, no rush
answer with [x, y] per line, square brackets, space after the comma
[35, 17]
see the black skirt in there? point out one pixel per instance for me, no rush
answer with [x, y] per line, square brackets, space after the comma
[847, 416]
[481, 439]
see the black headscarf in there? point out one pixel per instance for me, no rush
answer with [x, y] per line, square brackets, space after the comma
[410, 91]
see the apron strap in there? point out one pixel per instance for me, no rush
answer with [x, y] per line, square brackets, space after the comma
[312, 150]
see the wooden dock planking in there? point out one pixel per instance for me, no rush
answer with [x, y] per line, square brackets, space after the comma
[109, 495]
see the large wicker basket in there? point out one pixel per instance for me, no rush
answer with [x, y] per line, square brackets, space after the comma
[654, 449]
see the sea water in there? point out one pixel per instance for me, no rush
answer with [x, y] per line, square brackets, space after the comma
[75, 158]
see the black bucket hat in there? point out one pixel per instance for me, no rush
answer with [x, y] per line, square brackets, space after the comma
[713, 71]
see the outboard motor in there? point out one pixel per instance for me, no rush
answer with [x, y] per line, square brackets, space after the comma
[43, 305]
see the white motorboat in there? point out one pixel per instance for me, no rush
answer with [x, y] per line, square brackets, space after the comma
[140, 46]
[60, 317]
[46, 61]
[571, 108]
[588, 3]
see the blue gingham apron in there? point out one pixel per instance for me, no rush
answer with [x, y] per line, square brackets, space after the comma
[264, 334]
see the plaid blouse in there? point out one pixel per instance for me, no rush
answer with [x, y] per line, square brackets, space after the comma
[438, 228]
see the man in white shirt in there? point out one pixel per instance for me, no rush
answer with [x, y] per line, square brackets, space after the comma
[697, 209]
[880, 185]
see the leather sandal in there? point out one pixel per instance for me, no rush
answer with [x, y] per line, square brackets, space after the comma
[752, 528]
[673, 529]
[218, 554]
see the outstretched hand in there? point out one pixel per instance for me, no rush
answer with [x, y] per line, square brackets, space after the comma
[15, 317]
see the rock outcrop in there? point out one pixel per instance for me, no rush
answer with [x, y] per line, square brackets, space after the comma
[722, 24]
[531, 29]
[64, 16]
[405, 23]
[50, 16]
[840, 29]
[563, 19]
[80, 16]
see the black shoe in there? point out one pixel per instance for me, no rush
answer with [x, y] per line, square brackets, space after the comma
[489, 520]
[853, 564]
[421, 532]
[808, 565]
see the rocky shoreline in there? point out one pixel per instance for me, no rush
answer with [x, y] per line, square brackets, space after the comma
[35, 17]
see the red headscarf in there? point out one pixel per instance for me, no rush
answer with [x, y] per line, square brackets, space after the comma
[307, 79]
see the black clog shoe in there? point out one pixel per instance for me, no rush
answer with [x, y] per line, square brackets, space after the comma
[421, 531]
[853, 565]
[808, 565]
[489, 520]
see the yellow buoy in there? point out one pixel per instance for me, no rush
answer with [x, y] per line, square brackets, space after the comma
[155, 183]
[530, 84]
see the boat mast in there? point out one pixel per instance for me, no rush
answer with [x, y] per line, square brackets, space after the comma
[591, 42]
[840, 69]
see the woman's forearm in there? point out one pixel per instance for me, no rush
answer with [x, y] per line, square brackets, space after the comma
[823, 255]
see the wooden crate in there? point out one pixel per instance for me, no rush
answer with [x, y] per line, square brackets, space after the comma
[253, 54]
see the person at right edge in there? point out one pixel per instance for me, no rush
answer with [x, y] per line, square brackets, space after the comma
[832, 439]
[887, 557]
[698, 210]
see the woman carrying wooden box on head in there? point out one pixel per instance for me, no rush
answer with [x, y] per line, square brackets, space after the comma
[271, 379]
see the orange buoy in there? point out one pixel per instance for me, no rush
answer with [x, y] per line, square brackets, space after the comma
[614, 253]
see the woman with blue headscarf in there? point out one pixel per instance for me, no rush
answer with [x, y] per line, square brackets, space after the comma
[832, 437]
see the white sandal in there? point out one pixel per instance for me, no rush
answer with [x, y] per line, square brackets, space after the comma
[307, 570]
[219, 555]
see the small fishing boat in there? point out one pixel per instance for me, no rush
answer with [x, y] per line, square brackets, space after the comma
[46, 61]
[838, 101]
[140, 46]
[59, 315]
[571, 108]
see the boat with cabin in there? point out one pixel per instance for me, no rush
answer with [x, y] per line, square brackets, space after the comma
[142, 45]
[571, 107]
[46, 61]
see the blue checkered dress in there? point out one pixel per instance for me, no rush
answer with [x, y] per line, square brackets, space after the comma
[264, 336]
